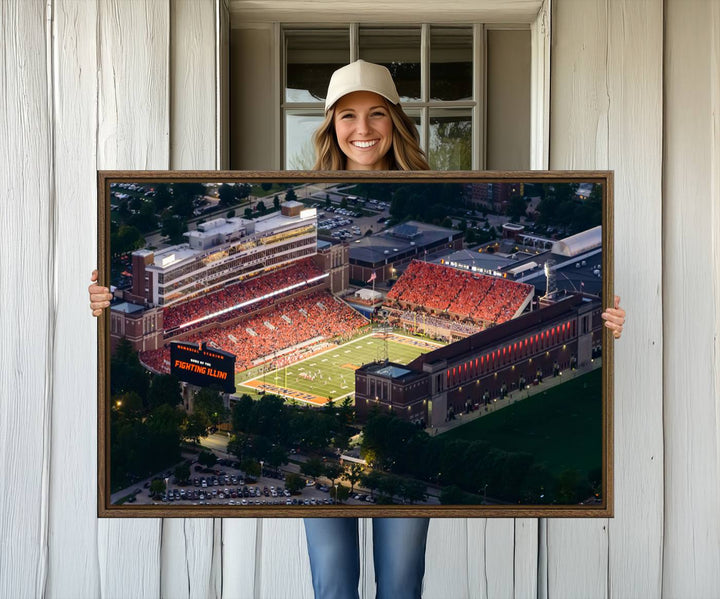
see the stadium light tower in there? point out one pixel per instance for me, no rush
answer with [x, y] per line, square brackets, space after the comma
[384, 331]
[386, 337]
[550, 282]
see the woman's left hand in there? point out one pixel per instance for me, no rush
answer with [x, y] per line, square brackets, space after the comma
[615, 318]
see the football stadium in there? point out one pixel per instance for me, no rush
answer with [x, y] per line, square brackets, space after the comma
[268, 297]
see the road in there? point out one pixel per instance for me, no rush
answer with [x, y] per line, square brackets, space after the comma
[216, 442]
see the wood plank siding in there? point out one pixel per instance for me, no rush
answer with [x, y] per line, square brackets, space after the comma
[634, 87]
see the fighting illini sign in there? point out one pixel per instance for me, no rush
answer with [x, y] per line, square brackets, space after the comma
[202, 366]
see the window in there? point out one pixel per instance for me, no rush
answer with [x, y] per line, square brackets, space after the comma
[467, 87]
[436, 70]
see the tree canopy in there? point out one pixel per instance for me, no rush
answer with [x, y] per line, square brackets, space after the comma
[394, 446]
[209, 403]
[290, 195]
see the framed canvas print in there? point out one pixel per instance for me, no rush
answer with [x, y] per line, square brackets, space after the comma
[295, 344]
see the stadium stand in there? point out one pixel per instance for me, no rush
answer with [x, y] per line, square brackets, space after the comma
[239, 293]
[458, 294]
[315, 316]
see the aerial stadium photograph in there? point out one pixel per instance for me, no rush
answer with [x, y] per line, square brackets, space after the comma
[285, 344]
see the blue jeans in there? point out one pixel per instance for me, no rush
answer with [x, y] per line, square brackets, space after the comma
[398, 551]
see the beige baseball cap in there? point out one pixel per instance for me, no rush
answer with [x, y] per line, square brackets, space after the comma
[361, 76]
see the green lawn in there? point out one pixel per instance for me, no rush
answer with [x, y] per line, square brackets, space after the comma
[561, 427]
[334, 370]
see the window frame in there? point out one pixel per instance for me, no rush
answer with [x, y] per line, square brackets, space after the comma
[475, 106]
[264, 14]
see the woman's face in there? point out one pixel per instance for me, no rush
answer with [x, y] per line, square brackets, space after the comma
[364, 130]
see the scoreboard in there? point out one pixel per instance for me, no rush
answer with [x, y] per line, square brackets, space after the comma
[202, 365]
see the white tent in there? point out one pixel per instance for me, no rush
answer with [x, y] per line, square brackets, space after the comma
[579, 243]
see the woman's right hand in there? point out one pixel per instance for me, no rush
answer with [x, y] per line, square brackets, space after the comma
[99, 296]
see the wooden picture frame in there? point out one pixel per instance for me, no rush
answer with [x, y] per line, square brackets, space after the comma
[455, 322]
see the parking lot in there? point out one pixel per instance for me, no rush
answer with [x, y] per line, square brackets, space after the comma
[352, 221]
[226, 485]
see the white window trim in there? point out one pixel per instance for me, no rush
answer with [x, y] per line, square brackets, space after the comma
[540, 89]
[384, 11]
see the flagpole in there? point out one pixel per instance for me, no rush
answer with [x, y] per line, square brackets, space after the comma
[372, 278]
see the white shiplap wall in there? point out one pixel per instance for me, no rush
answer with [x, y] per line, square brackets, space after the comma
[27, 321]
[606, 112]
[690, 294]
[73, 568]
[118, 84]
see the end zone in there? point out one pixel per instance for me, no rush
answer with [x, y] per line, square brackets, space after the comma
[284, 391]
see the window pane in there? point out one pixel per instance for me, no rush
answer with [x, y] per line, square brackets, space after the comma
[311, 58]
[398, 50]
[450, 140]
[299, 150]
[415, 117]
[451, 55]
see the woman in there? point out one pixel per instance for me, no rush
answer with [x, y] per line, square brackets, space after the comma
[365, 129]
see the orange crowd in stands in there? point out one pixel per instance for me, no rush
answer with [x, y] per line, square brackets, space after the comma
[318, 315]
[235, 294]
[458, 293]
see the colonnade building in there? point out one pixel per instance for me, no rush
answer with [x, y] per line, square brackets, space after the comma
[470, 373]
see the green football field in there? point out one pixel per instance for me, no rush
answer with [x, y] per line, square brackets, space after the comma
[561, 426]
[331, 374]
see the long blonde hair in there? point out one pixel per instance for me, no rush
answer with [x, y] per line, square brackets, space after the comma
[405, 154]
